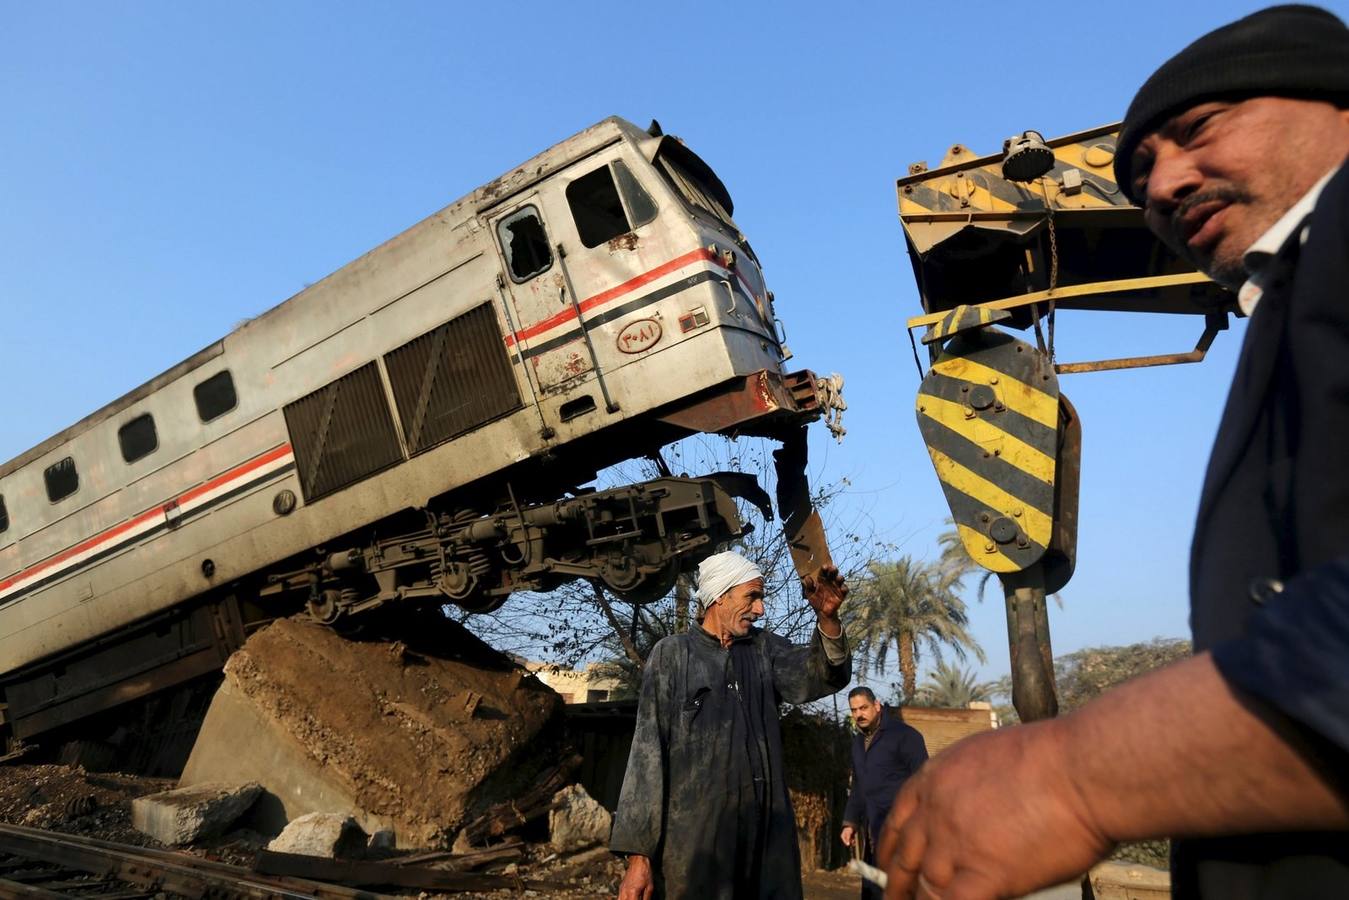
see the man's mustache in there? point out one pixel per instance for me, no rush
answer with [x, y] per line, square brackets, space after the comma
[1223, 194]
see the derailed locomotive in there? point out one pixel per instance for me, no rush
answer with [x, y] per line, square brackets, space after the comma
[412, 428]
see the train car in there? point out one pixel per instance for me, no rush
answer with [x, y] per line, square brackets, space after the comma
[413, 428]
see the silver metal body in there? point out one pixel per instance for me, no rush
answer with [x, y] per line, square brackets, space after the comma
[671, 308]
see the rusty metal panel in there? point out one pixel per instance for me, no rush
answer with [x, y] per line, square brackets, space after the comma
[452, 379]
[760, 403]
[558, 368]
[342, 432]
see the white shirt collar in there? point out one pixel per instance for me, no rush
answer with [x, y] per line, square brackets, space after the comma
[1257, 256]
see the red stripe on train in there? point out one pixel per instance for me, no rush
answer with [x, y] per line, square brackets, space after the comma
[702, 253]
[105, 536]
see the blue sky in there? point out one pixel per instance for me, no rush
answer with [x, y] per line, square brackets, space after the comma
[168, 170]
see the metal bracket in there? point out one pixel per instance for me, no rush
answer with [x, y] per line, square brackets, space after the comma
[1213, 323]
[609, 405]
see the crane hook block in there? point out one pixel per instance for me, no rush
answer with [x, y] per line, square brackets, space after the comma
[989, 412]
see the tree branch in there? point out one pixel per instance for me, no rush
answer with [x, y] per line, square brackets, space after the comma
[629, 646]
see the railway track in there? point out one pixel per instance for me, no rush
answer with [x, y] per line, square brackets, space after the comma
[46, 865]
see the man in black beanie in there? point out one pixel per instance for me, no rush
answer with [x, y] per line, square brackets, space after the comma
[1235, 149]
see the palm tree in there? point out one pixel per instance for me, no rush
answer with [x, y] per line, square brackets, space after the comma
[911, 605]
[955, 562]
[952, 687]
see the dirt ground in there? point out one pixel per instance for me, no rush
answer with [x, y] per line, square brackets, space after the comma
[71, 800]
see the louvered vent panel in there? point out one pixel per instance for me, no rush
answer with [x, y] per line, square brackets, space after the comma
[342, 433]
[452, 379]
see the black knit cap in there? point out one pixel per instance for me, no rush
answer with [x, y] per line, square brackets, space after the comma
[1283, 51]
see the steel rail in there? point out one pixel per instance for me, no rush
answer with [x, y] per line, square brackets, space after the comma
[157, 870]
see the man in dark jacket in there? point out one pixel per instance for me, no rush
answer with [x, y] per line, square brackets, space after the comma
[885, 752]
[1235, 149]
[704, 813]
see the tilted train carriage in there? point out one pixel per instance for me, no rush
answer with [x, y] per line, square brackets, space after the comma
[411, 428]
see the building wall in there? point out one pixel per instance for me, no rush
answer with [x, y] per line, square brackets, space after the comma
[941, 728]
[584, 686]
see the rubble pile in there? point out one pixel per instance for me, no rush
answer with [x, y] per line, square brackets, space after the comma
[420, 734]
[71, 800]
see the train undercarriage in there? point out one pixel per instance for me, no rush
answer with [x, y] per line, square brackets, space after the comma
[628, 539]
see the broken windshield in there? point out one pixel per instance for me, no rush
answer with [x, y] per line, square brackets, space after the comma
[705, 195]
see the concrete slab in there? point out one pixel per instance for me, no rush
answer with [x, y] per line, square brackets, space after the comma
[577, 820]
[187, 815]
[1128, 881]
[416, 728]
[328, 835]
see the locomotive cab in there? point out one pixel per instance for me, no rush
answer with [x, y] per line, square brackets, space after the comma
[627, 253]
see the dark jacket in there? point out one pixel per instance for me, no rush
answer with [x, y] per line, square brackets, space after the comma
[878, 772]
[1269, 575]
[705, 793]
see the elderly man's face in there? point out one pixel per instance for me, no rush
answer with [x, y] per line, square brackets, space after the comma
[741, 607]
[1214, 178]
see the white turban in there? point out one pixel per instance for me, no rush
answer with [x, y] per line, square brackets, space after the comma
[719, 573]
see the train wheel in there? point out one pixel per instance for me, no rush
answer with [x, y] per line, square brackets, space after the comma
[324, 607]
[632, 587]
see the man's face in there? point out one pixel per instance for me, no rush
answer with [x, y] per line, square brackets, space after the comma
[741, 607]
[864, 711]
[1217, 176]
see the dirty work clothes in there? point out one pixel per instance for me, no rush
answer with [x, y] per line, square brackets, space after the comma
[878, 772]
[705, 795]
[1269, 571]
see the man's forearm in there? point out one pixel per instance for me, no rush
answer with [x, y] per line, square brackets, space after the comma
[1179, 752]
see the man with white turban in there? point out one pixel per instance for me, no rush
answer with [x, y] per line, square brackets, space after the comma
[704, 812]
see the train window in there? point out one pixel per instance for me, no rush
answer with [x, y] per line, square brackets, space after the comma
[4, 516]
[215, 396]
[525, 243]
[692, 189]
[597, 208]
[62, 479]
[138, 438]
[641, 208]
[704, 194]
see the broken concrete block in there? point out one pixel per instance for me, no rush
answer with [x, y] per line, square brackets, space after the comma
[1128, 881]
[577, 820]
[186, 815]
[325, 723]
[383, 841]
[330, 835]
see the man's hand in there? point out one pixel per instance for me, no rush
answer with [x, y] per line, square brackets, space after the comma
[826, 592]
[993, 816]
[637, 881]
[847, 835]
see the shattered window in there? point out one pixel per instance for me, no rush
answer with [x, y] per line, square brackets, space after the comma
[692, 190]
[597, 208]
[701, 199]
[641, 208]
[4, 516]
[525, 243]
[62, 479]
